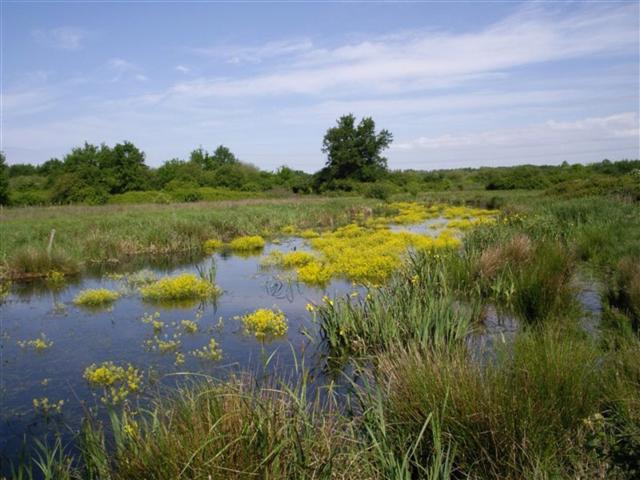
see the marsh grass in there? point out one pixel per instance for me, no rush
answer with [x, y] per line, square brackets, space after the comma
[114, 233]
[414, 307]
[28, 262]
[523, 416]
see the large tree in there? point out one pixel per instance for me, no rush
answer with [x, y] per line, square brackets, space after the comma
[355, 151]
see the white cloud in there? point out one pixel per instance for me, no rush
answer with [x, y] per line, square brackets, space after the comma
[183, 69]
[583, 140]
[237, 54]
[425, 60]
[64, 38]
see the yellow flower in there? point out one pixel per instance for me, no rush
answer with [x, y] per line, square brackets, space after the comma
[265, 322]
[92, 298]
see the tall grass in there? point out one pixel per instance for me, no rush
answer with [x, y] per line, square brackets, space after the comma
[524, 416]
[414, 307]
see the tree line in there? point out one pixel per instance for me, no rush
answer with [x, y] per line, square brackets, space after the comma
[354, 163]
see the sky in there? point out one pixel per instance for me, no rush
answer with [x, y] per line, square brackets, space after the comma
[459, 84]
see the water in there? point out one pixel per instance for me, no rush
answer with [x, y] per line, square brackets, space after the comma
[82, 337]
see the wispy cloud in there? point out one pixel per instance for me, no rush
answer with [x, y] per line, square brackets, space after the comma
[64, 38]
[237, 54]
[124, 69]
[183, 69]
[425, 60]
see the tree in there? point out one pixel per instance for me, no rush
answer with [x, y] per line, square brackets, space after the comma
[224, 156]
[354, 152]
[125, 169]
[220, 157]
[4, 181]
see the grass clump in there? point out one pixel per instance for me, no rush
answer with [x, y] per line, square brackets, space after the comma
[31, 262]
[524, 416]
[236, 429]
[116, 381]
[413, 307]
[96, 297]
[186, 286]
[247, 244]
[624, 290]
[265, 323]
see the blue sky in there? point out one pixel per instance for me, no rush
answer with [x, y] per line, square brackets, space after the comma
[458, 84]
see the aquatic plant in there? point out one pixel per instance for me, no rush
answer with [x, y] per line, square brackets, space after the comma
[45, 407]
[180, 359]
[189, 326]
[265, 323]
[164, 345]
[211, 351]
[54, 277]
[315, 273]
[38, 344]
[96, 297]
[212, 245]
[186, 286]
[309, 233]
[247, 244]
[116, 381]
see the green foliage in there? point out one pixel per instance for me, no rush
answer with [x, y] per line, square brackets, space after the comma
[354, 152]
[4, 180]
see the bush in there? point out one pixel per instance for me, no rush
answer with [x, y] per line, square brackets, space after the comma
[378, 190]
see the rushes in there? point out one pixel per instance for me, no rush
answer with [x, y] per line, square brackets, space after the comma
[414, 307]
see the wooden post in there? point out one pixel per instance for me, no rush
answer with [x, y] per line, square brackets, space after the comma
[51, 237]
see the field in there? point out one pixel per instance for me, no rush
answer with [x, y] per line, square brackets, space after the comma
[470, 334]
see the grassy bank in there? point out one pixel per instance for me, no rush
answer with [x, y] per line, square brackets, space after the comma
[85, 234]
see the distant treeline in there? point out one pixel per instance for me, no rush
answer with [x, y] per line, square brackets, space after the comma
[99, 174]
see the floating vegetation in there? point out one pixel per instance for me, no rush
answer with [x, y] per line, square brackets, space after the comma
[265, 323]
[117, 382]
[142, 277]
[158, 325]
[38, 344]
[180, 359]
[55, 278]
[189, 326]
[247, 244]
[315, 273]
[182, 287]
[96, 297]
[45, 407]
[288, 260]
[212, 245]
[211, 351]
[309, 233]
[164, 345]
[366, 256]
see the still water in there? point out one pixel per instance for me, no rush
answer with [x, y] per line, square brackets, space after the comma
[81, 337]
